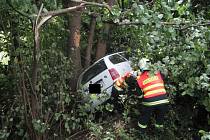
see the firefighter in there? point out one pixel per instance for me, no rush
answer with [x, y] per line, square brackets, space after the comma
[119, 88]
[120, 85]
[154, 95]
[124, 85]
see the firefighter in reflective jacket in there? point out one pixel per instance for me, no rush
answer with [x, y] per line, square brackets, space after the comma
[154, 95]
[126, 84]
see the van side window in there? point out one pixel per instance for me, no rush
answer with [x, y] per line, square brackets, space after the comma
[93, 71]
[115, 59]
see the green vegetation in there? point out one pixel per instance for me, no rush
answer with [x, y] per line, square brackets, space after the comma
[175, 35]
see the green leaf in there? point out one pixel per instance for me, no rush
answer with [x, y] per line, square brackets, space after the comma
[145, 20]
[160, 16]
[57, 116]
[93, 97]
[109, 107]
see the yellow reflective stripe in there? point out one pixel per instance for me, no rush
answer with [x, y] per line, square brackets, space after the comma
[153, 86]
[156, 102]
[141, 125]
[151, 79]
[155, 91]
[158, 125]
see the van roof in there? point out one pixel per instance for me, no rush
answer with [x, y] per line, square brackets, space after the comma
[97, 62]
[100, 60]
[107, 56]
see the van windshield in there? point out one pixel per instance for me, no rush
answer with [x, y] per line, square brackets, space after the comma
[115, 59]
[93, 71]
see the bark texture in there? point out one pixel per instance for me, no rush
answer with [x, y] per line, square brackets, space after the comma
[90, 40]
[74, 43]
[102, 42]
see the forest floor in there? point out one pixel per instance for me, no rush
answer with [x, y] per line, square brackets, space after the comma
[178, 126]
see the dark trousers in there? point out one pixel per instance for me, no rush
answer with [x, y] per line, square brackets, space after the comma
[147, 112]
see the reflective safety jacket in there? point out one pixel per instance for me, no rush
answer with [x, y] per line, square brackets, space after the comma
[153, 89]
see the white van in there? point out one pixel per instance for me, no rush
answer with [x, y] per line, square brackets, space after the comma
[103, 72]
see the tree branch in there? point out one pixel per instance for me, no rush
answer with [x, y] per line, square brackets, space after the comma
[74, 8]
[48, 15]
[204, 23]
[77, 133]
[38, 16]
[62, 11]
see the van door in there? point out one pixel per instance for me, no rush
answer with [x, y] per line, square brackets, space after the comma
[98, 74]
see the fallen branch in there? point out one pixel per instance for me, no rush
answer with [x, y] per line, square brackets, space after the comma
[204, 23]
[79, 132]
[48, 15]
[62, 11]
[74, 8]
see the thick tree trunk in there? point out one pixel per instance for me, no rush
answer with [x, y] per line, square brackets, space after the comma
[74, 44]
[101, 48]
[102, 42]
[90, 40]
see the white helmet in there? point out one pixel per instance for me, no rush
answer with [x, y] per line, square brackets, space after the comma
[144, 64]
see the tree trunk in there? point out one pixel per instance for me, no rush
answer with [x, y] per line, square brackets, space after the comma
[33, 97]
[14, 34]
[102, 42]
[90, 40]
[101, 48]
[74, 44]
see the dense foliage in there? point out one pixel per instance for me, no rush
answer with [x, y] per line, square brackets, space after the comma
[175, 35]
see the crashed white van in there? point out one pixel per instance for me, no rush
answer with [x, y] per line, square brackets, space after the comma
[96, 82]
